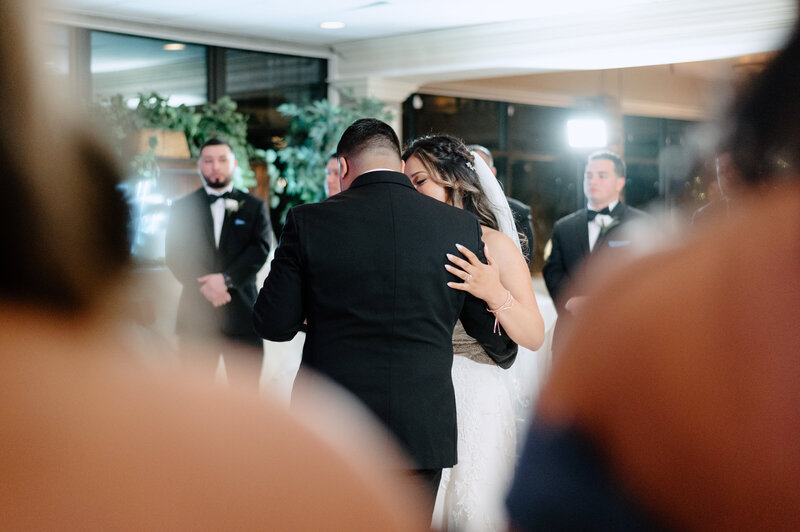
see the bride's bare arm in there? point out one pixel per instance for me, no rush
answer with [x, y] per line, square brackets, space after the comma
[507, 272]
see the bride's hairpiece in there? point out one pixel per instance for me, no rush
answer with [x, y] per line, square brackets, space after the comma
[470, 166]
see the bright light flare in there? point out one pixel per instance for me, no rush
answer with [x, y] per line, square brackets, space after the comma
[587, 133]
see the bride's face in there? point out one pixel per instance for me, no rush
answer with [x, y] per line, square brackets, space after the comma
[423, 181]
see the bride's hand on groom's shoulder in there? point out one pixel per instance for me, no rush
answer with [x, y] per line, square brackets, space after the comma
[479, 279]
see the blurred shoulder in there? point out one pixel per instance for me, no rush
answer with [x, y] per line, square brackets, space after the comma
[232, 460]
[633, 212]
[571, 219]
[189, 198]
[242, 195]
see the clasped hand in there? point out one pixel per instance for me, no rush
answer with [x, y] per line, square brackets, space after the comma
[213, 287]
[479, 279]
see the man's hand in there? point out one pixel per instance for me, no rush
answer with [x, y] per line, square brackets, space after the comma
[212, 286]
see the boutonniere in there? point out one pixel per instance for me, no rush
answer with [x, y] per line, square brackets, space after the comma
[606, 228]
[231, 205]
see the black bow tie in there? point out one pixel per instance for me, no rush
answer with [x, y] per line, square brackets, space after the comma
[212, 197]
[590, 214]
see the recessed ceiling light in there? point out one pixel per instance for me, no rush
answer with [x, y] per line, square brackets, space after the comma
[332, 25]
[174, 46]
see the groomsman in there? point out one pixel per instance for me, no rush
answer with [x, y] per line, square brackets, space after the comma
[588, 230]
[217, 240]
[366, 268]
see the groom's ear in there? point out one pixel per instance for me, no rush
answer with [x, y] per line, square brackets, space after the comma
[402, 166]
[343, 169]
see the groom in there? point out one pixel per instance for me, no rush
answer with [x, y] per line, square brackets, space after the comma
[366, 268]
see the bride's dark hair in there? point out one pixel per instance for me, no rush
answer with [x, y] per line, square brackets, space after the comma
[451, 165]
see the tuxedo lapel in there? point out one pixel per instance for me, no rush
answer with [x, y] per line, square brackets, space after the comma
[227, 221]
[204, 215]
[582, 230]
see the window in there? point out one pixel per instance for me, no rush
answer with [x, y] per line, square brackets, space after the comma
[538, 168]
[128, 65]
[259, 82]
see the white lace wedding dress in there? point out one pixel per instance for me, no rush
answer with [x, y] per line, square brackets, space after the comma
[472, 493]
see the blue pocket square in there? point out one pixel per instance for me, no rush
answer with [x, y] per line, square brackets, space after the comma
[618, 243]
[238, 221]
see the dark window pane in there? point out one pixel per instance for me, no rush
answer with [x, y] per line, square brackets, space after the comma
[641, 185]
[550, 188]
[537, 129]
[260, 82]
[474, 121]
[642, 136]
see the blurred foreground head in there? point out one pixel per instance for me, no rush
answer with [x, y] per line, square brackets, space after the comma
[64, 243]
[762, 133]
[681, 371]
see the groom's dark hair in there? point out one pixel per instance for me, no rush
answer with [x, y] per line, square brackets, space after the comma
[367, 134]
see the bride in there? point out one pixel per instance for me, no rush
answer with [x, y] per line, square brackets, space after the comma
[471, 493]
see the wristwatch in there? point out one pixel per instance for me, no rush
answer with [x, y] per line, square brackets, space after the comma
[228, 280]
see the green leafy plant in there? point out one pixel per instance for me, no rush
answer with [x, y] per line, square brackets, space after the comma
[153, 111]
[297, 166]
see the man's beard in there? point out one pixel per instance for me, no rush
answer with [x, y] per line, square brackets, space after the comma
[217, 184]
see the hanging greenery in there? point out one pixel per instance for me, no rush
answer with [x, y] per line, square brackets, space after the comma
[296, 166]
[125, 124]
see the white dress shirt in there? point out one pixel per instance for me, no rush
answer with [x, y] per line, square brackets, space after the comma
[218, 209]
[600, 221]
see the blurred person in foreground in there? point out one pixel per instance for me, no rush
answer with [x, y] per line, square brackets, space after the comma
[217, 240]
[89, 440]
[687, 415]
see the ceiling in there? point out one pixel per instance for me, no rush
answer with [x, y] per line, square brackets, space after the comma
[422, 41]
[300, 21]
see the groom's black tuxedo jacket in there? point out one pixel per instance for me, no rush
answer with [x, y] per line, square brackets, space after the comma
[366, 267]
[191, 253]
[570, 247]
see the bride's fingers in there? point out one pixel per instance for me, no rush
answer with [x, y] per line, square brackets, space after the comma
[461, 274]
[471, 257]
[458, 261]
[457, 286]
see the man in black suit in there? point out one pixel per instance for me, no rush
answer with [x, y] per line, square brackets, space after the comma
[522, 213]
[217, 240]
[366, 268]
[589, 230]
